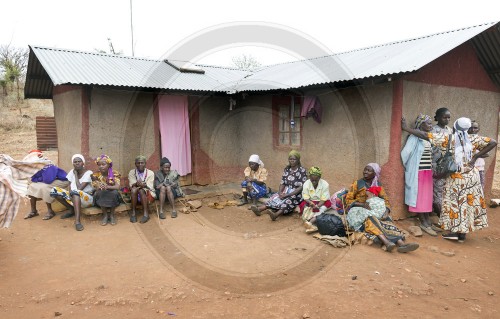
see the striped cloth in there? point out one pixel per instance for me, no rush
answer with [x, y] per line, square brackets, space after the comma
[14, 177]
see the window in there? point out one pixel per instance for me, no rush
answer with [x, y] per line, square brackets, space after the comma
[287, 122]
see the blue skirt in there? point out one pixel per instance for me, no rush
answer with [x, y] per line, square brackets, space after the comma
[256, 191]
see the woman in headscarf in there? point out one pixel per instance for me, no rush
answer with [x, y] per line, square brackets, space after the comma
[417, 160]
[141, 182]
[290, 191]
[79, 193]
[316, 195]
[41, 185]
[166, 185]
[106, 182]
[473, 134]
[463, 207]
[254, 185]
[441, 133]
[375, 227]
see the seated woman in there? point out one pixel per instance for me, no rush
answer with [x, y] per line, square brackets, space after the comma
[166, 185]
[79, 193]
[254, 185]
[141, 182]
[290, 191]
[316, 195]
[106, 182]
[375, 228]
[41, 185]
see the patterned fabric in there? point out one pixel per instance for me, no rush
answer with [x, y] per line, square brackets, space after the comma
[101, 179]
[108, 160]
[440, 137]
[291, 179]
[86, 199]
[357, 215]
[172, 178]
[421, 118]
[426, 159]
[315, 170]
[374, 227]
[357, 193]
[256, 191]
[463, 205]
[260, 174]
[14, 177]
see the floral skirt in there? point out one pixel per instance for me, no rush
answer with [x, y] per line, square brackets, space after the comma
[86, 199]
[464, 207]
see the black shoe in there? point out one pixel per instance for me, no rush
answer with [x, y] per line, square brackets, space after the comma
[133, 219]
[461, 238]
[450, 236]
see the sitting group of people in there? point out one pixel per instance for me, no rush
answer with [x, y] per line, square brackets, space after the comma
[459, 204]
[82, 188]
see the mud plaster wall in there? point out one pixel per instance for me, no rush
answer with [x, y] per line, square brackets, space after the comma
[68, 115]
[121, 126]
[353, 132]
[462, 102]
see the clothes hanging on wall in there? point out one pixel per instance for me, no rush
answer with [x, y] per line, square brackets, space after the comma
[312, 107]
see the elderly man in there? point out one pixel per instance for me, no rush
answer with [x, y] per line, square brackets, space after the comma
[141, 182]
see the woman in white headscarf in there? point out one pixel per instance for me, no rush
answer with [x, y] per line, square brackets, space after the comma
[463, 206]
[254, 185]
[79, 193]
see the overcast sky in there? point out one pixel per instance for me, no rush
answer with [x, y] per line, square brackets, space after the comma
[161, 26]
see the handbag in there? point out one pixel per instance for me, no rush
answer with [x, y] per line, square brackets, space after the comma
[445, 165]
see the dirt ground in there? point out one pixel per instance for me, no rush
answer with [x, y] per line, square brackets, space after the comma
[231, 264]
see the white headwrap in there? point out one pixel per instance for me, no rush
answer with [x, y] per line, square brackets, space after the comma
[80, 156]
[376, 168]
[463, 146]
[256, 159]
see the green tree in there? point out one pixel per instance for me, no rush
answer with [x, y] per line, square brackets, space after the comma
[13, 64]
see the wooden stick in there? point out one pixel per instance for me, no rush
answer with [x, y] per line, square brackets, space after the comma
[344, 221]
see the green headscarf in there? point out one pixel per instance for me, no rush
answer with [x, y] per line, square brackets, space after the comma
[315, 170]
[295, 154]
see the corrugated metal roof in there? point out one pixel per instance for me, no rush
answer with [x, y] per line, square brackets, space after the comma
[387, 59]
[48, 66]
[74, 67]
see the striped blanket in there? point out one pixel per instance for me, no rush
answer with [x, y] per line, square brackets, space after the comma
[14, 178]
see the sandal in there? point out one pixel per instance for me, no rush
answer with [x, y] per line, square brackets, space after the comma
[104, 221]
[162, 215]
[79, 227]
[173, 214]
[68, 215]
[406, 248]
[49, 215]
[31, 214]
[390, 247]
[144, 219]
[255, 210]
[428, 230]
[133, 219]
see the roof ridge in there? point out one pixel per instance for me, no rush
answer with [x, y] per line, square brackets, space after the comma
[95, 53]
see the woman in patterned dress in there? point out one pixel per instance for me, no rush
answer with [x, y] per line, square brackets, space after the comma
[79, 193]
[106, 182]
[381, 230]
[463, 207]
[289, 195]
[416, 156]
[440, 131]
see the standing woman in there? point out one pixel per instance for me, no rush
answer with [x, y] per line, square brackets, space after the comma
[289, 195]
[464, 207]
[441, 132]
[416, 156]
[106, 182]
[80, 190]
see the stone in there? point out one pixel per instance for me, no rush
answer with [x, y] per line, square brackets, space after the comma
[415, 231]
[57, 314]
[448, 253]
[354, 277]
[463, 280]
[434, 249]
[195, 204]
[491, 293]
[305, 316]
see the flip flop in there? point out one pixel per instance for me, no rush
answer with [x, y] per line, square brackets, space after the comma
[162, 215]
[133, 219]
[144, 219]
[49, 216]
[31, 214]
[428, 230]
[79, 227]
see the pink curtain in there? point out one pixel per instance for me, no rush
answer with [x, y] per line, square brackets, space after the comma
[174, 130]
